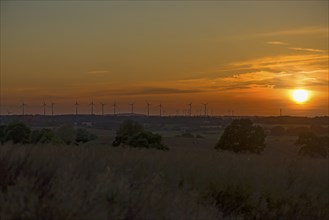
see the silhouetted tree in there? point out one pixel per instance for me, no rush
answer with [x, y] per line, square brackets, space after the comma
[126, 130]
[146, 139]
[2, 133]
[17, 132]
[83, 136]
[43, 136]
[66, 133]
[241, 135]
[312, 145]
[133, 134]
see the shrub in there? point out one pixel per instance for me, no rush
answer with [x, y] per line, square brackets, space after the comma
[17, 132]
[242, 135]
[43, 136]
[66, 133]
[2, 133]
[312, 145]
[146, 139]
[133, 134]
[83, 136]
[126, 130]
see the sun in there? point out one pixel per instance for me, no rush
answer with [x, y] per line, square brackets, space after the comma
[300, 95]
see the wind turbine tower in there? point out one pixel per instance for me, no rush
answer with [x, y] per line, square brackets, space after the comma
[132, 108]
[190, 113]
[103, 108]
[160, 109]
[205, 109]
[52, 108]
[23, 108]
[92, 107]
[114, 108]
[148, 108]
[44, 108]
[76, 107]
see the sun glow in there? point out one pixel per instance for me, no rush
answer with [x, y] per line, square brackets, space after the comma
[300, 96]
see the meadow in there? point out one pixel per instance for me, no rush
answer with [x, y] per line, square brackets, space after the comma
[191, 181]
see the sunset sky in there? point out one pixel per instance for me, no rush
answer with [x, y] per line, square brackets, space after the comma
[245, 56]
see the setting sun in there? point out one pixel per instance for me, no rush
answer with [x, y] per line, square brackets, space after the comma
[300, 95]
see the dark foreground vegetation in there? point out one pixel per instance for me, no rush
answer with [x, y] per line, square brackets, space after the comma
[19, 133]
[47, 174]
[101, 182]
[133, 134]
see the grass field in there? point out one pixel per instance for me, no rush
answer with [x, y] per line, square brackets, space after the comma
[191, 181]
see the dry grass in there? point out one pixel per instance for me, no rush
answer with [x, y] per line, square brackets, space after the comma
[189, 182]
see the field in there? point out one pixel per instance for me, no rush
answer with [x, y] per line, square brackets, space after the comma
[191, 181]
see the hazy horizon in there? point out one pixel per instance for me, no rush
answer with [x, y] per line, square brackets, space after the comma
[245, 56]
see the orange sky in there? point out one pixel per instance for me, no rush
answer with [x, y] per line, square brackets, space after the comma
[245, 56]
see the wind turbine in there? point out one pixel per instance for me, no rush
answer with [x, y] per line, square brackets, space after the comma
[190, 109]
[92, 106]
[52, 108]
[8, 111]
[76, 107]
[114, 108]
[205, 109]
[44, 108]
[132, 108]
[148, 108]
[160, 109]
[103, 108]
[23, 108]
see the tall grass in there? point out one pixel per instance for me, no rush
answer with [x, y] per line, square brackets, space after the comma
[101, 182]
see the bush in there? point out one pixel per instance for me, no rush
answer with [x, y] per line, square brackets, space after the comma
[83, 136]
[66, 133]
[2, 133]
[127, 129]
[312, 145]
[241, 135]
[147, 139]
[43, 136]
[133, 134]
[17, 132]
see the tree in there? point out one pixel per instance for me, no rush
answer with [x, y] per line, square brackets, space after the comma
[66, 133]
[17, 132]
[312, 145]
[83, 136]
[43, 136]
[241, 135]
[2, 133]
[147, 139]
[132, 133]
[126, 130]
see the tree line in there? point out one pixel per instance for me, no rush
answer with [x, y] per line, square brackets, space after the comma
[239, 136]
[19, 133]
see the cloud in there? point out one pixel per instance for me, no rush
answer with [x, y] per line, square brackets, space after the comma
[137, 91]
[298, 31]
[283, 71]
[276, 43]
[98, 72]
[307, 49]
[157, 91]
[269, 73]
